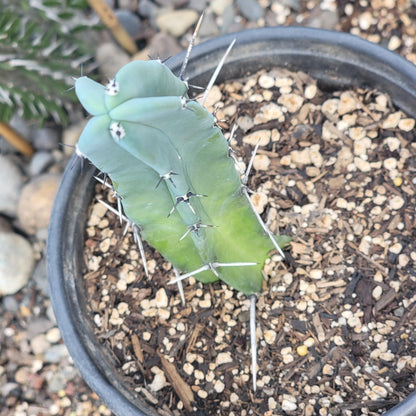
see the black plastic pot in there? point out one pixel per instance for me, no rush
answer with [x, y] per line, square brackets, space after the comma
[336, 60]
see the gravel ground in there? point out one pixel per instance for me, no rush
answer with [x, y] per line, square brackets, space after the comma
[36, 373]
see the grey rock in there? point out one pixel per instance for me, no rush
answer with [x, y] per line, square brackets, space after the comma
[147, 8]
[399, 312]
[124, 4]
[110, 59]
[38, 325]
[40, 162]
[10, 185]
[322, 19]
[131, 22]
[24, 128]
[16, 262]
[55, 353]
[208, 27]
[40, 277]
[198, 5]
[250, 9]
[163, 46]
[36, 201]
[59, 379]
[229, 23]
[46, 139]
[10, 304]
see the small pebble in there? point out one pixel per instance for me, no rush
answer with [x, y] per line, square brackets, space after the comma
[316, 274]
[302, 350]
[162, 300]
[176, 22]
[159, 382]
[292, 102]
[223, 358]
[289, 405]
[396, 202]
[270, 336]
[261, 162]
[406, 124]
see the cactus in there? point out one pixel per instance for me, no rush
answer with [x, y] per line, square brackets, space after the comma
[174, 176]
[171, 167]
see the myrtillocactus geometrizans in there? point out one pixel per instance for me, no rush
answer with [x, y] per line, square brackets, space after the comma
[171, 167]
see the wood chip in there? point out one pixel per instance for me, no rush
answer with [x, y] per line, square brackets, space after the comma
[181, 388]
[138, 352]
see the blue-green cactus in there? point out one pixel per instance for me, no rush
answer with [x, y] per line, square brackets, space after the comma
[171, 167]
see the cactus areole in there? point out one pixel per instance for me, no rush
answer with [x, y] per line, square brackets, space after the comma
[170, 166]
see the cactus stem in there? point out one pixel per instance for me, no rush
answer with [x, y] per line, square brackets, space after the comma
[216, 72]
[185, 198]
[253, 341]
[196, 227]
[167, 176]
[244, 179]
[190, 46]
[180, 286]
[264, 226]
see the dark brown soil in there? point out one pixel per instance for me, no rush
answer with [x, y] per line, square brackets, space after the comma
[336, 320]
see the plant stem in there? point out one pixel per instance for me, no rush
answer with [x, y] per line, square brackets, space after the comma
[15, 139]
[110, 20]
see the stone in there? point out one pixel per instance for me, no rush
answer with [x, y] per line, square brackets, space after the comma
[292, 102]
[36, 201]
[46, 138]
[289, 405]
[219, 6]
[110, 58]
[323, 19]
[147, 8]
[71, 135]
[176, 22]
[261, 136]
[131, 23]
[39, 344]
[261, 162]
[250, 9]
[55, 353]
[396, 202]
[159, 382]
[209, 27]
[40, 162]
[10, 185]
[16, 262]
[162, 46]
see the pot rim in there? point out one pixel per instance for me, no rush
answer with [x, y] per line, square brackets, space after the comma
[324, 53]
